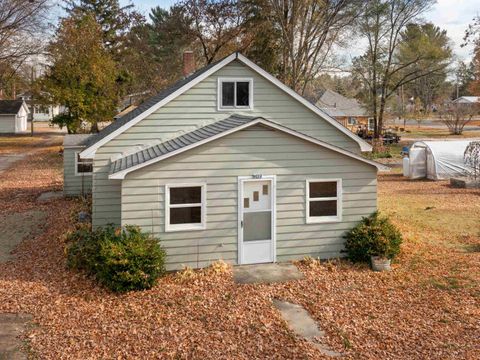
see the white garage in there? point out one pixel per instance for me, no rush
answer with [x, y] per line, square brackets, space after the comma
[13, 116]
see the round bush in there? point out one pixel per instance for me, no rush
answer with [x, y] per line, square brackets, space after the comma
[373, 236]
[121, 259]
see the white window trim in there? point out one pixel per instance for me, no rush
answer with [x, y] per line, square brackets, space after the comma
[338, 198]
[76, 166]
[186, 227]
[352, 120]
[234, 79]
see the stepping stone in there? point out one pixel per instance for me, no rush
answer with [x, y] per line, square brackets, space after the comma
[50, 195]
[303, 325]
[11, 326]
[266, 273]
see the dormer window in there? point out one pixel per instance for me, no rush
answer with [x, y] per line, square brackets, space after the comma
[235, 93]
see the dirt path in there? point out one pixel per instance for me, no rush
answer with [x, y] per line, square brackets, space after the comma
[17, 227]
[15, 148]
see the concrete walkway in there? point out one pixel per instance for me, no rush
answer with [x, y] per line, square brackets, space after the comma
[11, 327]
[302, 324]
[266, 273]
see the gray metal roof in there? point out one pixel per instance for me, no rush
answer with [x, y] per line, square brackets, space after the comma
[147, 104]
[180, 142]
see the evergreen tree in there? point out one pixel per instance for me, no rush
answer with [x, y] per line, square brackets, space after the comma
[82, 76]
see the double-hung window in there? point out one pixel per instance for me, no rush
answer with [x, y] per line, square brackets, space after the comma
[235, 93]
[185, 207]
[83, 166]
[324, 200]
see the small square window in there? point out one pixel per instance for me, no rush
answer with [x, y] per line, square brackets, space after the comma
[185, 207]
[235, 93]
[323, 201]
[83, 166]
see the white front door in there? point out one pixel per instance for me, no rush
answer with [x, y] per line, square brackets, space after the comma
[256, 215]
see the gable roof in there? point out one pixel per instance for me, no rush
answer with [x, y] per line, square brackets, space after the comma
[121, 167]
[10, 107]
[159, 100]
[336, 104]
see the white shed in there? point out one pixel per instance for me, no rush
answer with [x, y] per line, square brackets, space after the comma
[437, 160]
[13, 116]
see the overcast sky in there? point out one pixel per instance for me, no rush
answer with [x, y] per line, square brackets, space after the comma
[451, 15]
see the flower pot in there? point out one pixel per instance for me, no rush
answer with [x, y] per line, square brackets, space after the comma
[380, 263]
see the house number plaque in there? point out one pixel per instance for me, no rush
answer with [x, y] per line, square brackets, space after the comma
[257, 176]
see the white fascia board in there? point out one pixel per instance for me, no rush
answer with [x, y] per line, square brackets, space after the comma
[90, 151]
[121, 174]
[364, 146]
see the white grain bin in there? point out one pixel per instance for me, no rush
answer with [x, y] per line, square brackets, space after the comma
[437, 160]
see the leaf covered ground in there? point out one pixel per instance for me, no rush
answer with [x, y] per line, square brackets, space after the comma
[428, 307]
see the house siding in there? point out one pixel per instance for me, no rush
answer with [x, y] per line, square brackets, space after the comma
[218, 164]
[74, 185]
[198, 107]
[7, 124]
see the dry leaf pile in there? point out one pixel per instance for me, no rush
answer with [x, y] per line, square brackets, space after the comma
[428, 307]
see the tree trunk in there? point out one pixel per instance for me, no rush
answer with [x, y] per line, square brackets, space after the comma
[380, 116]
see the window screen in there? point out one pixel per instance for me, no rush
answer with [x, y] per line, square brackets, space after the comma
[323, 200]
[186, 195]
[186, 215]
[235, 94]
[185, 207]
[228, 94]
[243, 89]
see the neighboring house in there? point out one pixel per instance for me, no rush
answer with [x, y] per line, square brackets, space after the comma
[348, 112]
[13, 116]
[229, 163]
[39, 112]
[467, 100]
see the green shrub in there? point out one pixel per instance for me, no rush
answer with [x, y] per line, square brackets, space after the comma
[121, 259]
[373, 236]
[82, 248]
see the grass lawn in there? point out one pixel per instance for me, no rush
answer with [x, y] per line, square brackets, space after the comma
[415, 132]
[427, 307]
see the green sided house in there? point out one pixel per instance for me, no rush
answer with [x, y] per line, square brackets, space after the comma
[228, 163]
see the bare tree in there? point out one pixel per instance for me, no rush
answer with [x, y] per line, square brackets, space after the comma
[217, 25]
[309, 30]
[457, 115]
[383, 23]
[472, 158]
[21, 22]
